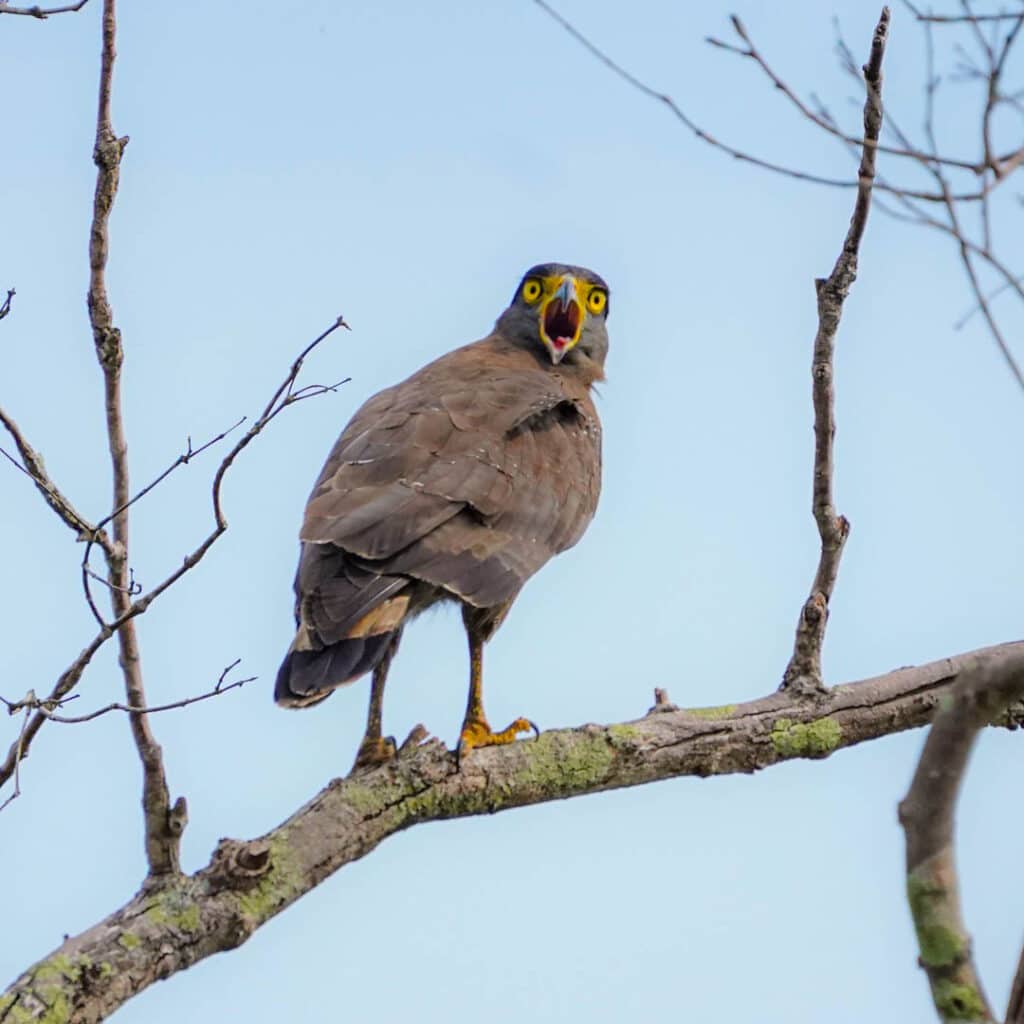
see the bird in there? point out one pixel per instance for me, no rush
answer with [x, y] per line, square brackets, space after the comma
[455, 485]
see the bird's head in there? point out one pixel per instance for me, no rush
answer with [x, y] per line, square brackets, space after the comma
[562, 308]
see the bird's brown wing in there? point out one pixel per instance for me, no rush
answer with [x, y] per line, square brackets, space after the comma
[469, 476]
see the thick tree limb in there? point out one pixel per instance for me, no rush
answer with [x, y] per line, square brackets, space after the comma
[167, 928]
[927, 818]
[804, 669]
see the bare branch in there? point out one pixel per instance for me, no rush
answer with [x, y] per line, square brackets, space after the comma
[994, 294]
[750, 51]
[803, 673]
[18, 747]
[32, 703]
[248, 882]
[982, 301]
[6, 307]
[284, 395]
[926, 815]
[737, 154]
[182, 460]
[33, 467]
[161, 837]
[66, 682]
[41, 13]
[949, 19]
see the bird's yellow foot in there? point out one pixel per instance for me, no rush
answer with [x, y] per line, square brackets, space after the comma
[374, 751]
[477, 733]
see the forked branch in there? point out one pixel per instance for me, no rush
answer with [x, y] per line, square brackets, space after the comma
[285, 394]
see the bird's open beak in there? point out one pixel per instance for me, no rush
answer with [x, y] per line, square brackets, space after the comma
[561, 319]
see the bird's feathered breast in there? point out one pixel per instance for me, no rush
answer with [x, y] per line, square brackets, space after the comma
[468, 475]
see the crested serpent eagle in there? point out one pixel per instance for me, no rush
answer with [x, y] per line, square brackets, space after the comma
[457, 484]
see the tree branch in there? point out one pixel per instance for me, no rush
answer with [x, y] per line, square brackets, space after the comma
[948, 19]
[169, 927]
[41, 13]
[926, 815]
[47, 707]
[803, 673]
[738, 154]
[284, 396]
[162, 837]
[182, 460]
[33, 467]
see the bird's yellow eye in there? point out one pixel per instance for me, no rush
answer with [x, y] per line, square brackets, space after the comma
[531, 290]
[597, 300]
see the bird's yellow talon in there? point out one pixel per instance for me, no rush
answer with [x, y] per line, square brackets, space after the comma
[374, 751]
[478, 733]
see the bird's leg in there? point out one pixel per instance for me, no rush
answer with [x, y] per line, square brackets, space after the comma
[376, 749]
[476, 732]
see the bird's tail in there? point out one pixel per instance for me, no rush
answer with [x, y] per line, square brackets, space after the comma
[309, 675]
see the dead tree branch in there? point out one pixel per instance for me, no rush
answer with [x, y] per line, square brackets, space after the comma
[284, 396]
[803, 673]
[738, 154]
[41, 13]
[927, 815]
[47, 707]
[989, 171]
[162, 834]
[169, 927]
[949, 19]
[182, 460]
[34, 468]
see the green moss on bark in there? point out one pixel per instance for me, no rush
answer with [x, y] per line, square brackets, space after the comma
[806, 739]
[938, 938]
[278, 886]
[956, 1001]
[722, 711]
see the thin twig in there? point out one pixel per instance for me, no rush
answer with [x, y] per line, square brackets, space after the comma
[33, 467]
[219, 689]
[41, 13]
[966, 247]
[6, 307]
[737, 154]
[45, 710]
[18, 748]
[949, 19]
[282, 397]
[750, 51]
[976, 308]
[803, 673]
[182, 460]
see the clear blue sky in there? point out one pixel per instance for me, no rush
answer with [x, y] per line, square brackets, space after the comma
[402, 164]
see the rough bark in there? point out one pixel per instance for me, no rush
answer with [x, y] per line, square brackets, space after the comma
[168, 926]
[927, 815]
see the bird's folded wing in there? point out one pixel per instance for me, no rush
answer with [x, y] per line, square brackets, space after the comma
[470, 475]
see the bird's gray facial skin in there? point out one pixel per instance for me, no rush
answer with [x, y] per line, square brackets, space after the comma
[561, 308]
